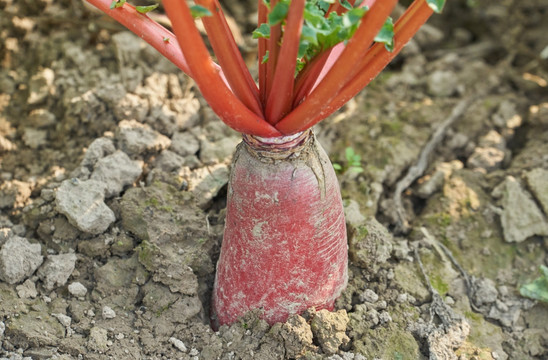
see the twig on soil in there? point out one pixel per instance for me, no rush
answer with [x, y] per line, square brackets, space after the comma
[417, 170]
[448, 335]
[470, 288]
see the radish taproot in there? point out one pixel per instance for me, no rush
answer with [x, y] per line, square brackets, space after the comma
[284, 247]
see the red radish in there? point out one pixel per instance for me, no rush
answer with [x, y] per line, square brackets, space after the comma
[284, 247]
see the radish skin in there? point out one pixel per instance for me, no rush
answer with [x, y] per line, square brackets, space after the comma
[284, 248]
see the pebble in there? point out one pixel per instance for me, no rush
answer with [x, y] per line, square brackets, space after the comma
[77, 289]
[178, 344]
[27, 290]
[82, 202]
[486, 292]
[19, 259]
[369, 296]
[184, 143]
[108, 313]
[116, 171]
[56, 270]
[98, 149]
[136, 138]
[520, 218]
[384, 317]
[63, 319]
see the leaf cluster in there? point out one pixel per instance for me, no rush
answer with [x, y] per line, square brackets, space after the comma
[353, 162]
[322, 30]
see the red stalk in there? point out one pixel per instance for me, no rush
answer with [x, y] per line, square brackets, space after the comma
[375, 60]
[223, 102]
[279, 101]
[147, 29]
[312, 74]
[344, 68]
[261, 48]
[273, 47]
[229, 57]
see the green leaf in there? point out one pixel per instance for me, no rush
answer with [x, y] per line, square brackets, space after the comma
[198, 11]
[538, 289]
[117, 3]
[278, 13]
[146, 9]
[265, 57]
[345, 4]
[349, 153]
[386, 35]
[436, 5]
[262, 31]
[337, 167]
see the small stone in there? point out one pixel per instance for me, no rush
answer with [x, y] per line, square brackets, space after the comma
[5, 234]
[97, 340]
[486, 158]
[34, 138]
[136, 138]
[370, 244]
[178, 344]
[77, 289]
[98, 149]
[47, 194]
[42, 118]
[520, 217]
[82, 202]
[56, 270]
[63, 319]
[218, 151]
[402, 298]
[369, 296]
[116, 171]
[329, 328]
[19, 259]
[184, 143]
[486, 292]
[442, 83]
[2, 329]
[169, 161]
[373, 316]
[384, 317]
[537, 181]
[108, 313]
[27, 290]
[40, 86]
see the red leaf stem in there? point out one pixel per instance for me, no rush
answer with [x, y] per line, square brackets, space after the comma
[280, 100]
[229, 57]
[223, 101]
[261, 48]
[343, 69]
[371, 65]
[273, 47]
[147, 29]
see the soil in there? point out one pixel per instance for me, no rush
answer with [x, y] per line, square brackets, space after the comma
[113, 175]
